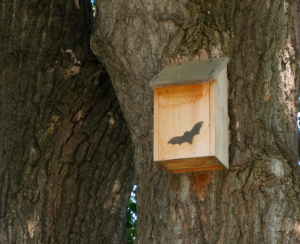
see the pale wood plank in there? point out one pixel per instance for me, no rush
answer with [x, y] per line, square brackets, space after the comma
[156, 128]
[180, 108]
[212, 119]
[221, 106]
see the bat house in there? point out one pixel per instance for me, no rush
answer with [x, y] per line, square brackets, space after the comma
[191, 116]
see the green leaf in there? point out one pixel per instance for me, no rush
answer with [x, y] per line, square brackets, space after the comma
[128, 225]
[128, 237]
[128, 217]
[132, 207]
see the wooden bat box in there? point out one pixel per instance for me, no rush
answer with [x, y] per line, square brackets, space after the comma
[191, 116]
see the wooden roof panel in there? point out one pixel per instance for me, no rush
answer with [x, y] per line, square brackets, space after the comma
[191, 72]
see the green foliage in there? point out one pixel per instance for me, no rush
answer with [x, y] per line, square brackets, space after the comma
[94, 6]
[131, 218]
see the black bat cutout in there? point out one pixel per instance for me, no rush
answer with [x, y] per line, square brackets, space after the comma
[188, 136]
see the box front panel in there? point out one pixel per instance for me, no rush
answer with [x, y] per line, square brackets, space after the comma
[183, 121]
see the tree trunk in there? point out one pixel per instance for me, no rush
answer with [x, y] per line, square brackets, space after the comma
[66, 158]
[257, 200]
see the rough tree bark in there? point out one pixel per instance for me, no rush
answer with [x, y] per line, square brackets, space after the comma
[257, 200]
[66, 161]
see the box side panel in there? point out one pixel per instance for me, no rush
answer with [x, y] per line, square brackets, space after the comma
[221, 113]
[183, 113]
[212, 121]
[156, 128]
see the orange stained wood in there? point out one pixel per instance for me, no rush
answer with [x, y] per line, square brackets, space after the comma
[178, 109]
[202, 181]
[177, 166]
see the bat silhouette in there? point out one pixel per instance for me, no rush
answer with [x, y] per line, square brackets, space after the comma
[187, 136]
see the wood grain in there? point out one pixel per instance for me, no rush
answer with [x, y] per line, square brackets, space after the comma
[191, 165]
[179, 109]
[176, 110]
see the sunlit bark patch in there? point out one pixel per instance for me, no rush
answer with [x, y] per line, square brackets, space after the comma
[77, 4]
